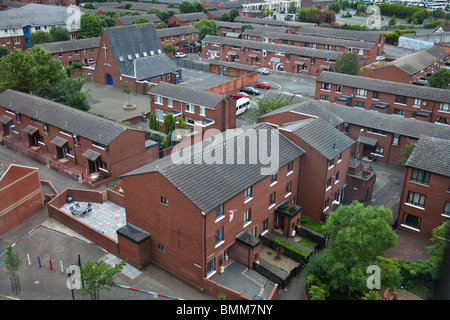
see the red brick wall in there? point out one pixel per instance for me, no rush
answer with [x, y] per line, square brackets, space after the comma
[20, 196]
[80, 57]
[431, 215]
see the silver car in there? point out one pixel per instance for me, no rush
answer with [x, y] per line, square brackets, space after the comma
[264, 71]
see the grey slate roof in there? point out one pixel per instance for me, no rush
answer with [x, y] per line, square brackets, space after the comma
[397, 88]
[182, 93]
[209, 185]
[308, 38]
[301, 51]
[431, 154]
[417, 61]
[339, 33]
[238, 25]
[176, 31]
[320, 135]
[34, 14]
[127, 41]
[269, 22]
[218, 13]
[126, 20]
[81, 123]
[71, 45]
[194, 16]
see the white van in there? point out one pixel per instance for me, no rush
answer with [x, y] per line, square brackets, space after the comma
[241, 105]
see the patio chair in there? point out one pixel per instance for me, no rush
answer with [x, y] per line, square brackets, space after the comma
[72, 210]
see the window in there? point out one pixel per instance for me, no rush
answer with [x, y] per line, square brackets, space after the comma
[265, 224]
[411, 221]
[361, 92]
[247, 216]
[272, 199]
[446, 209]
[338, 88]
[248, 193]
[379, 150]
[416, 199]
[376, 95]
[202, 111]
[273, 179]
[219, 236]
[327, 204]
[420, 176]
[442, 120]
[360, 104]
[253, 232]
[219, 211]
[189, 107]
[324, 97]
[330, 163]
[211, 266]
[400, 99]
[288, 188]
[444, 107]
[161, 248]
[395, 140]
[416, 102]
[326, 86]
[164, 201]
[158, 99]
[328, 183]
[170, 103]
[290, 167]
[399, 112]
[336, 180]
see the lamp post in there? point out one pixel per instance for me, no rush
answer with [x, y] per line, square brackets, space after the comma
[357, 147]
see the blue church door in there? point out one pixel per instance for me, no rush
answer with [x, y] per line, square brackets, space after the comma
[110, 80]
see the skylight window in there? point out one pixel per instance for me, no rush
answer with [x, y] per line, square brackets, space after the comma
[136, 55]
[152, 53]
[130, 57]
[121, 58]
[159, 51]
[144, 54]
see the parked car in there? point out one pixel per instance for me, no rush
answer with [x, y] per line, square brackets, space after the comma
[380, 58]
[180, 55]
[239, 95]
[264, 71]
[250, 90]
[263, 85]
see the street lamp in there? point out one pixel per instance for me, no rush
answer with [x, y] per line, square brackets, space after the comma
[357, 148]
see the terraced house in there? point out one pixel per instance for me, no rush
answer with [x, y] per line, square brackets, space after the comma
[90, 148]
[199, 109]
[269, 55]
[425, 199]
[400, 99]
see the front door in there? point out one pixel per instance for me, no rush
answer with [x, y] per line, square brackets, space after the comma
[110, 79]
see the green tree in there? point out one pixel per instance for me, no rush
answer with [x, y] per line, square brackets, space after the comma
[89, 5]
[439, 248]
[344, 4]
[420, 15]
[107, 21]
[266, 105]
[186, 7]
[336, 7]
[90, 26]
[245, 27]
[372, 295]
[204, 27]
[140, 20]
[126, 90]
[168, 47]
[40, 37]
[127, 5]
[181, 123]
[98, 276]
[392, 21]
[4, 51]
[440, 79]
[357, 235]
[13, 263]
[169, 124]
[347, 62]
[153, 123]
[161, 25]
[292, 8]
[406, 151]
[224, 17]
[234, 13]
[68, 91]
[59, 34]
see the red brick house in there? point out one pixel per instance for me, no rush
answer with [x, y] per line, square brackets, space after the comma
[200, 216]
[199, 109]
[413, 67]
[225, 28]
[20, 194]
[132, 54]
[183, 39]
[425, 198]
[406, 100]
[83, 51]
[127, 20]
[88, 147]
[291, 26]
[185, 19]
[268, 55]
[367, 51]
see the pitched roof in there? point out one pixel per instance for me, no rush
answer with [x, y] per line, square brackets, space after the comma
[269, 22]
[176, 31]
[397, 88]
[183, 93]
[301, 51]
[34, 14]
[71, 45]
[431, 154]
[339, 33]
[208, 184]
[81, 123]
[320, 135]
[417, 61]
[238, 25]
[191, 16]
[138, 51]
[126, 20]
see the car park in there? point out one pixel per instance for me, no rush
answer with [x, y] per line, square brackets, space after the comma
[250, 90]
[263, 85]
[239, 95]
[264, 71]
